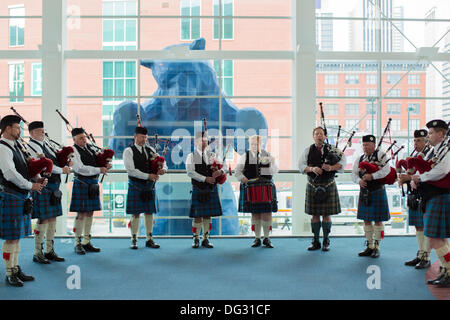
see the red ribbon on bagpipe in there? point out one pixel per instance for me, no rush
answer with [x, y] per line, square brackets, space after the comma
[41, 165]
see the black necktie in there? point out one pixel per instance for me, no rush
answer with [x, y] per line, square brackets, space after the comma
[16, 146]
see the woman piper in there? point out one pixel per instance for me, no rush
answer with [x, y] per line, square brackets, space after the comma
[258, 165]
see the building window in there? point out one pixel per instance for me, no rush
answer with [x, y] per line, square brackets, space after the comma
[371, 108]
[371, 79]
[331, 92]
[352, 109]
[413, 78]
[352, 124]
[190, 27]
[119, 79]
[16, 26]
[414, 124]
[227, 75]
[413, 92]
[16, 82]
[414, 108]
[351, 79]
[393, 78]
[331, 123]
[394, 108]
[395, 125]
[119, 34]
[36, 79]
[371, 92]
[227, 24]
[351, 92]
[331, 109]
[331, 79]
[394, 93]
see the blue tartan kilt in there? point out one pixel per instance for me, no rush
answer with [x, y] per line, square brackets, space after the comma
[135, 205]
[13, 223]
[80, 201]
[415, 218]
[211, 208]
[437, 217]
[42, 208]
[247, 207]
[378, 208]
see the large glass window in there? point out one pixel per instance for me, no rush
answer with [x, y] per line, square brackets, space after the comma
[16, 26]
[190, 27]
[16, 82]
[227, 26]
[119, 33]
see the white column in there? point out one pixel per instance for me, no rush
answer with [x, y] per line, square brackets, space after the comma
[304, 93]
[54, 81]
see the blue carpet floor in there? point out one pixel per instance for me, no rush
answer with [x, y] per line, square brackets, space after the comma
[232, 270]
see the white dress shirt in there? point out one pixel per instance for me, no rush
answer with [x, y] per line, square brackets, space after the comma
[267, 171]
[440, 170]
[129, 163]
[303, 161]
[82, 169]
[38, 148]
[8, 168]
[380, 174]
[190, 165]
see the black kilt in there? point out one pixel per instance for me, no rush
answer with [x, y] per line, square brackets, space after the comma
[42, 208]
[211, 208]
[80, 201]
[13, 223]
[437, 217]
[330, 206]
[247, 207]
[135, 204]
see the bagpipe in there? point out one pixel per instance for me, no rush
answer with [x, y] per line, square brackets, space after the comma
[41, 165]
[64, 154]
[421, 165]
[216, 164]
[333, 154]
[103, 156]
[157, 161]
[372, 165]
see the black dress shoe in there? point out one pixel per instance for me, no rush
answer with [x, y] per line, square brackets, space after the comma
[134, 243]
[52, 256]
[151, 244]
[88, 247]
[424, 262]
[444, 282]
[440, 276]
[79, 249]
[326, 244]
[22, 276]
[207, 244]
[315, 245]
[267, 243]
[13, 281]
[413, 262]
[366, 253]
[256, 243]
[375, 253]
[40, 258]
[196, 243]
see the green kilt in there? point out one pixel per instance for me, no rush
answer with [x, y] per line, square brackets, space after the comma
[330, 206]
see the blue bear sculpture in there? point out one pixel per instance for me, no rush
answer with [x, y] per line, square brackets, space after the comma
[166, 116]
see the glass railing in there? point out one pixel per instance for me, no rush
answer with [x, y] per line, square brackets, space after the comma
[173, 191]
